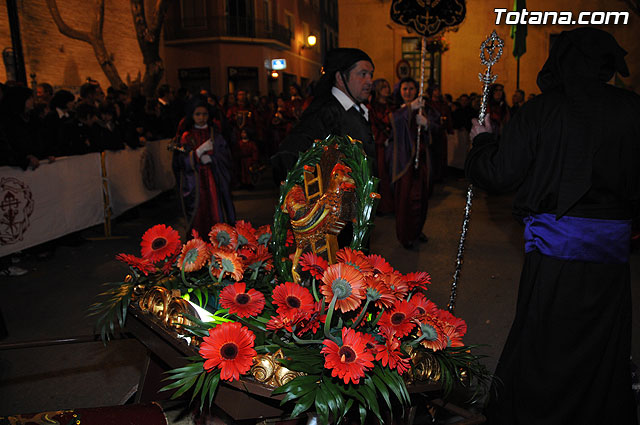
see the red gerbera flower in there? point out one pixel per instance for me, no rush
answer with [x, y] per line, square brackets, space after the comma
[417, 280]
[350, 360]
[246, 234]
[280, 322]
[400, 319]
[223, 236]
[159, 242]
[379, 264]
[313, 264]
[432, 334]
[346, 283]
[168, 264]
[292, 299]
[290, 239]
[229, 263]
[370, 342]
[313, 321]
[229, 347]
[379, 292]
[241, 302]
[356, 259]
[396, 284]
[423, 305]
[194, 256]
[141, 264]
[389, 353]
[263, 234]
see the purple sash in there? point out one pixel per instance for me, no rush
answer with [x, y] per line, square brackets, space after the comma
[578, 239]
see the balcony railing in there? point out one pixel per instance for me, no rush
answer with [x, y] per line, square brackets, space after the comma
[225, 26]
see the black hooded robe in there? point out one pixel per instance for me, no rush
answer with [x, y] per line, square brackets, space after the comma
[572, 151]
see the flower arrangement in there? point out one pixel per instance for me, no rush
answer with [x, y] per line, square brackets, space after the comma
[352, 333]
[437, 44]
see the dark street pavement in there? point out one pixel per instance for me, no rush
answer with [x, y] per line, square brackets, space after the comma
[51, 301]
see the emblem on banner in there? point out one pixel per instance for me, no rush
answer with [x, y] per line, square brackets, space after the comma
[148, 171]
[16, 206]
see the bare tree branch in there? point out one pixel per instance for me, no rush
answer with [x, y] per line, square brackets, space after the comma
[63, 27]
[157, 18]
[98, 22]
[94, 38]
[149, 41]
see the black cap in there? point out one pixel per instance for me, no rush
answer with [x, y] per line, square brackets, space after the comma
[343, 58]
[338, 60]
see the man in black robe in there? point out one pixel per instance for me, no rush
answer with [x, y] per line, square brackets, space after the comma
[338, 108]
[571, 154]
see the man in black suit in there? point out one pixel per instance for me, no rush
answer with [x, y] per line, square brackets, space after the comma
[338, 108]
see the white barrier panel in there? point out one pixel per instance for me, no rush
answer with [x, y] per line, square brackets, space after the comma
[135, 176]
[51, 201]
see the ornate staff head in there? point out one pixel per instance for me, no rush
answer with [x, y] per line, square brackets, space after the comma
[490, 52]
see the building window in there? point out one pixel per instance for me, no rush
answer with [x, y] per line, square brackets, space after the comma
[267, 15]
[411, 47]
[193, 13]
[290, 24]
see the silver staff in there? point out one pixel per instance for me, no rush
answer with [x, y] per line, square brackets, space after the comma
[423, 53]
[490, 52]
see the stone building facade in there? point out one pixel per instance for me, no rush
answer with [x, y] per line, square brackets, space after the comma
[367, 24]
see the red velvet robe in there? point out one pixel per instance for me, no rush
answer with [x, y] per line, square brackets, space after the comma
[207, 210]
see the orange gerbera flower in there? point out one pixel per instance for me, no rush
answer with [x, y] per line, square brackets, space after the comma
[313, 264]
[260, 258]
[194, 256]
[432, 334]
[141, 264]
[455, 328]
[263, 234]
[229, 347]
[350, 360]
[389, 353]
[246, 234]
[379, 292]
[396, 284]
[417, 280]
[227, 262]
[292, 299]
[223, 236]
[423, 305]
[400, 319]
[346, 283]
[356, 259]
[241, 302]
[159, 242]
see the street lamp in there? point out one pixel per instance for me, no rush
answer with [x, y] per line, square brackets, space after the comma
[309, 42]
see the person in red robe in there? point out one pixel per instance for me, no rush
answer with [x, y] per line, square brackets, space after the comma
[411, 186]
[380, 113]
[248, 152]
[206, 173]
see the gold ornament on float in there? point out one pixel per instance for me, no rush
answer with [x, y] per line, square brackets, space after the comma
[267, 370]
